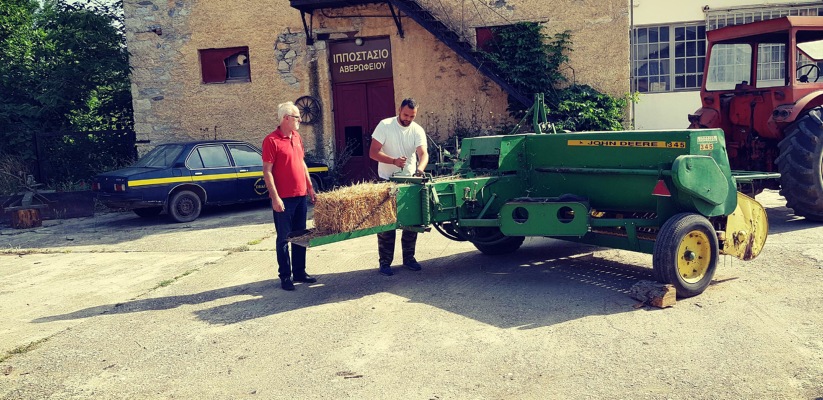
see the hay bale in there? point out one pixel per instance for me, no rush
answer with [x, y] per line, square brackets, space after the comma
[351, 208]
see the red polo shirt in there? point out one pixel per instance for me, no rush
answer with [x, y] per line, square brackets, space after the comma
[286, 155]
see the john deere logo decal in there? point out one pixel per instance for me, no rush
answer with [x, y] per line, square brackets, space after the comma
[260, 186]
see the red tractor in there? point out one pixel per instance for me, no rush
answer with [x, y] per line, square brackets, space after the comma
[762, 85]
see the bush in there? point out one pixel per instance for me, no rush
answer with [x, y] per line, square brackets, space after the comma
[581, 108]
[531, 61]
[13, 174]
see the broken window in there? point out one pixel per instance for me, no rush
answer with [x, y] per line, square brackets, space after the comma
[225, 65]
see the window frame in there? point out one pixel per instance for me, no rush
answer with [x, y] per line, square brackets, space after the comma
[662, 49]
[241, 146]
[196, 153]
[723, 17]
[217, 65]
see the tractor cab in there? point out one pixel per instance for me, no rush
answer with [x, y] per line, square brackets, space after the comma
[762, 85]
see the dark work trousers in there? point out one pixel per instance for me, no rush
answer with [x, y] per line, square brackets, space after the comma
[385, 246]
[293, 218]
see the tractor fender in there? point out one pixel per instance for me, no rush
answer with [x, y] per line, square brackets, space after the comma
[700, 177]
[704, 117]
[787, 113]
[703, 185]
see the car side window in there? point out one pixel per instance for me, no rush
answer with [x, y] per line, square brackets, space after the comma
[209, 156]
[245, 156]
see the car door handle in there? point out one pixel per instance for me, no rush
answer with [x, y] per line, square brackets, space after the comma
[198, 173]
[244, 170]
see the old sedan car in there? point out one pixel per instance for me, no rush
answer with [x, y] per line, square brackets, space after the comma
[180, 178]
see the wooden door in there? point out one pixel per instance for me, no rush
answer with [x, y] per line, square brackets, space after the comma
[359, 107]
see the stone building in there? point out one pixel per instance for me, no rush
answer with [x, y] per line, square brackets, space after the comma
[218, 69]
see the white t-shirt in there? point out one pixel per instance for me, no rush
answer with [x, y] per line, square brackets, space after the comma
[399, 141]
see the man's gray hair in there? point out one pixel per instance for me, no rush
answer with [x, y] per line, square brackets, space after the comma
[284, 109]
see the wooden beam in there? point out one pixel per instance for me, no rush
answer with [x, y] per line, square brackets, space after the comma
[655, 294]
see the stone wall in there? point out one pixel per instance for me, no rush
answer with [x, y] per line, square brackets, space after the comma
[599, 32]
[172, 104]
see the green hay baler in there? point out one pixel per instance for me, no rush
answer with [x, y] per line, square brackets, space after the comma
[667, 193]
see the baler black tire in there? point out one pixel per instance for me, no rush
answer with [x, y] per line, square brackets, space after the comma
[447, 230]
[185, 206]
[801, 165]
[685, 236]
[148, 212]
[505, 246]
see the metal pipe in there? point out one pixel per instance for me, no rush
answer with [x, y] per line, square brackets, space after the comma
[488, 204]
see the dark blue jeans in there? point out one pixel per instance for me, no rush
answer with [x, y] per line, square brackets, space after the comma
[293, 218]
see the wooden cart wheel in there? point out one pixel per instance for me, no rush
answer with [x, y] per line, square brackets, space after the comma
[309, 108]
[685, 254]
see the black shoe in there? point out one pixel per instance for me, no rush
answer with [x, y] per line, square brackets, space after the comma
[386, 270]
[305, 279]
[286, 284]
[413, 265]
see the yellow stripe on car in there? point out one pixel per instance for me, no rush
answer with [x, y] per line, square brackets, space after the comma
[159, 181]
[202, 178]
[198, 178]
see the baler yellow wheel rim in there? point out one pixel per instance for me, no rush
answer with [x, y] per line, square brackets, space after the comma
[694, 256]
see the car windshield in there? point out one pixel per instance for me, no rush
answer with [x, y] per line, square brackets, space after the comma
[161, 156]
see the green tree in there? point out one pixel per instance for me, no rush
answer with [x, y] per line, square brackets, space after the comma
[17, 42]
[63, 68]
[532, 62]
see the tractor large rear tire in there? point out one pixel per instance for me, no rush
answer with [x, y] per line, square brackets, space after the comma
[801, 165]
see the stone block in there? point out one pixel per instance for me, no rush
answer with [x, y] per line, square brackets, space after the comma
[142, 105]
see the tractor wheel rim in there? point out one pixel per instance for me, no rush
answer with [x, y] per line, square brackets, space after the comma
[694, 255]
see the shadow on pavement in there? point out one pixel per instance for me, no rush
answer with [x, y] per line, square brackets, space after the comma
[119, 227]
[783, 219]
[539, 285]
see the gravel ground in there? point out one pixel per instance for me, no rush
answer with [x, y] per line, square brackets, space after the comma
[117, 307]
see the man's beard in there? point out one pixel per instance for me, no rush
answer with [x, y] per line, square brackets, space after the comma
[403, 123]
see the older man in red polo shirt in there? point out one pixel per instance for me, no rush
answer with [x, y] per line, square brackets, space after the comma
[287, 178]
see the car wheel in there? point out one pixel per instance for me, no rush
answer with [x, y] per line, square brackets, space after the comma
[315, 183]
[185, 206]
[148, 212]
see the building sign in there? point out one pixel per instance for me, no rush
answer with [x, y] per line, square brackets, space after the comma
[369, 61]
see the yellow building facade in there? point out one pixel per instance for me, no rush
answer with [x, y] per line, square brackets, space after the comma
[209, 69]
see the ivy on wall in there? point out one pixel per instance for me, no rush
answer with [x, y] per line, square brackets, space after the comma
[532, 62]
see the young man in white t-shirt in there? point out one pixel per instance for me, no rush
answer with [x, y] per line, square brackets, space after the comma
[399, 147]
